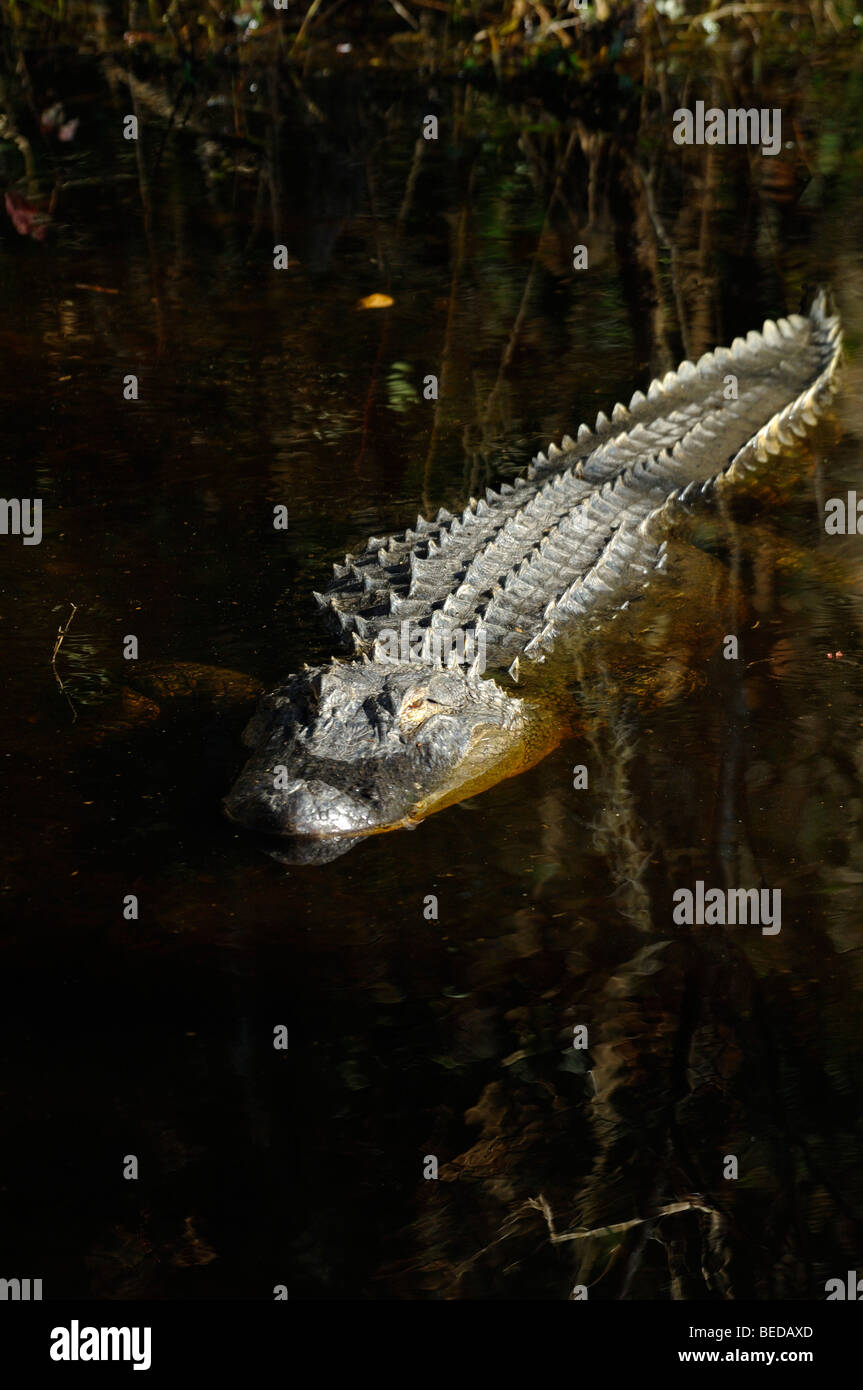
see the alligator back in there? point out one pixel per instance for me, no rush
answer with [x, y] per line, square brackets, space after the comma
[586, 521]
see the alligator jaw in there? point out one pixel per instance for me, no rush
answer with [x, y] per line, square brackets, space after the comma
[494, 756]
[357, 749]
[495, 761]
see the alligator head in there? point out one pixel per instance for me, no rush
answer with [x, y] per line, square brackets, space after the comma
[355, 748]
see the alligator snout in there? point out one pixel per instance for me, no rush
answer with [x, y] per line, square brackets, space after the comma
[304, 808]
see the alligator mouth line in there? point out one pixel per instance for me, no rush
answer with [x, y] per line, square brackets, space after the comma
[539, 736]
[360, 833]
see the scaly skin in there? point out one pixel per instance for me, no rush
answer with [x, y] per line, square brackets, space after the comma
[362, 746]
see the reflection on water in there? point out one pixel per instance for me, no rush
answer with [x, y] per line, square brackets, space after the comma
[415, 1034]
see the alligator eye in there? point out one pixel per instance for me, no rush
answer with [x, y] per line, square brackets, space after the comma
[415, 713]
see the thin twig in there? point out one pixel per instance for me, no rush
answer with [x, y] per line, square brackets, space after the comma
[674, 1208]
[61, 633]
[307, 19]
[404, 14]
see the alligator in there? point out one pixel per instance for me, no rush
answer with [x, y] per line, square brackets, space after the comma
[449, 619]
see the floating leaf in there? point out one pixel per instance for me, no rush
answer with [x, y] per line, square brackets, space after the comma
[375, 301]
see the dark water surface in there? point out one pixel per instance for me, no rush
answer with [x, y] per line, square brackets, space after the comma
[412, 1037]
